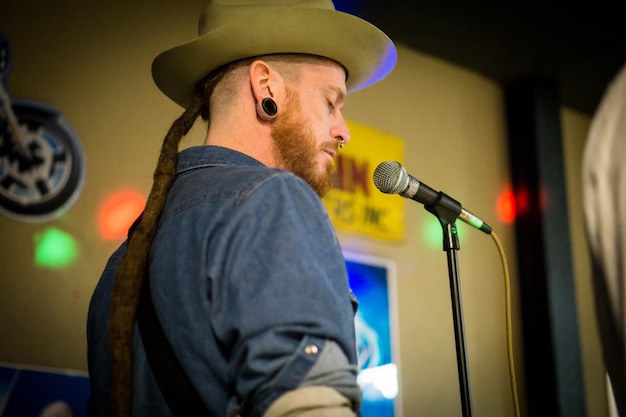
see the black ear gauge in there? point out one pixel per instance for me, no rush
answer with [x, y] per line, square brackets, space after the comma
[267, 109]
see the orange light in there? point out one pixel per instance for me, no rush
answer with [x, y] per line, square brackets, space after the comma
[506, 206]
[118, 213]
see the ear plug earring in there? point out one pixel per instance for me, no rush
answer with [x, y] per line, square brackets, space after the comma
[267, 109]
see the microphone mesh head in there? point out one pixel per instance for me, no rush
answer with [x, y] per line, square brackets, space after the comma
[390, 177]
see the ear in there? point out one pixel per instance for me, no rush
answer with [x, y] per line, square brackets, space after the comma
[265, 82]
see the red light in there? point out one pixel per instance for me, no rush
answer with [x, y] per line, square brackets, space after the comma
[118, 213]
[506, 206]
[522, 200]
[544, 198]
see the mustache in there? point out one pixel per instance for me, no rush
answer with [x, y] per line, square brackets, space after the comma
[331, 146]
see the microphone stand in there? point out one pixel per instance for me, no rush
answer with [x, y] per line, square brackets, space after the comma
[447, 210]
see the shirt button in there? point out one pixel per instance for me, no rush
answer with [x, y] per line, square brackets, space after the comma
[311, 350]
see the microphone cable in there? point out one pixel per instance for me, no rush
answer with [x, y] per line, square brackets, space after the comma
[509, 323]
[390, 177]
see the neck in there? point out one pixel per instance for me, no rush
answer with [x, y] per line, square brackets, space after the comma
[253, 139]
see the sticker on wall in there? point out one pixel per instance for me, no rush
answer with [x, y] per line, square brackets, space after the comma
[354, 204]
[42, 165]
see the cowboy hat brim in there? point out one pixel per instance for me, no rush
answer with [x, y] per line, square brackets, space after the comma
[366, 53]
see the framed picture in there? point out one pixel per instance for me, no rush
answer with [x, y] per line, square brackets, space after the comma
[41, 392]
[373, 281]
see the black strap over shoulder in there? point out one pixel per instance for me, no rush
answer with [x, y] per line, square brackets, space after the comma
[182, 398]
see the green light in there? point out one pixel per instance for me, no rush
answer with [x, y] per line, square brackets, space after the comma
[433, 235]
[55, 249]
[432, 232]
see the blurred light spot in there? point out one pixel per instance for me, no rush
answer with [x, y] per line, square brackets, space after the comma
[118, 213]
[55, 249]
[522, 201]
[505, 205]
[432, 231]
[378, 383]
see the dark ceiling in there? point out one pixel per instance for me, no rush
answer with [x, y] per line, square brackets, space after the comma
[581, 47]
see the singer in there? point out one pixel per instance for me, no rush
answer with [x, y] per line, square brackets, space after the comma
[230, 297]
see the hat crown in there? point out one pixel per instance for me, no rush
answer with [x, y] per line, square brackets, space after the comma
[232, 30]
[220, 12]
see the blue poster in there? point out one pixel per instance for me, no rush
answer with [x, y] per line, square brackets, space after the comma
[372, 281]
[29, 392]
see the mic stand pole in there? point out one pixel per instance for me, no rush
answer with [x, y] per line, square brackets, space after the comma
[447, 210]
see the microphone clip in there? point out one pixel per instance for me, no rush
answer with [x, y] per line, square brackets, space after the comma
[446, 209]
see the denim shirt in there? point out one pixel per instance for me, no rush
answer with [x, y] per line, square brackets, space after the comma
[246, 276]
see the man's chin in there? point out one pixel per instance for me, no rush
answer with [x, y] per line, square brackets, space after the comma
[324, 184]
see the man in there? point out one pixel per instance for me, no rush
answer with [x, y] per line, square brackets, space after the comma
[604, 194]
[234, 261]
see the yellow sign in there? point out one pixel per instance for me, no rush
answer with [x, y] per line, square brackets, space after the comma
[354, 203]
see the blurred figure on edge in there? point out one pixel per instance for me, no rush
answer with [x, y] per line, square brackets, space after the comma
[604, 187]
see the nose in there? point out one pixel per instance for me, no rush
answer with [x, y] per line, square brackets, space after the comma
[340, 130]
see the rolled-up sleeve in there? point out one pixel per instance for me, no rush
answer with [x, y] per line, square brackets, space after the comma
[280, 290]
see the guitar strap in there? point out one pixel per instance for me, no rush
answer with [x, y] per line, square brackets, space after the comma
[181, 396]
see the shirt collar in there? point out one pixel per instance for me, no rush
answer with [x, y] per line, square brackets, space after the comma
[207, 156]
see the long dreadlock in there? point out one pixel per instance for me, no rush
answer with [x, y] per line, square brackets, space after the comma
[133, 268]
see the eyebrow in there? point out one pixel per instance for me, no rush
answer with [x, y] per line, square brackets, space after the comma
[340, 95]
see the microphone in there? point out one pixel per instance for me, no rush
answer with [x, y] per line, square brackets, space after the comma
[390, 177]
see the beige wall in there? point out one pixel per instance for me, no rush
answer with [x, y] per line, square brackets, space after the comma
[92, 62]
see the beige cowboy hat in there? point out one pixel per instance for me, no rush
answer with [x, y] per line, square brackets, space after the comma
[230, 30]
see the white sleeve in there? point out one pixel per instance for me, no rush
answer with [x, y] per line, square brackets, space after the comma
[315, 401]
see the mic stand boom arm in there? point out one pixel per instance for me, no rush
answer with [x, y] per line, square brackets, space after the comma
[447, 210]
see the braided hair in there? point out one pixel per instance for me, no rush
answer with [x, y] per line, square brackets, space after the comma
[133, 268]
